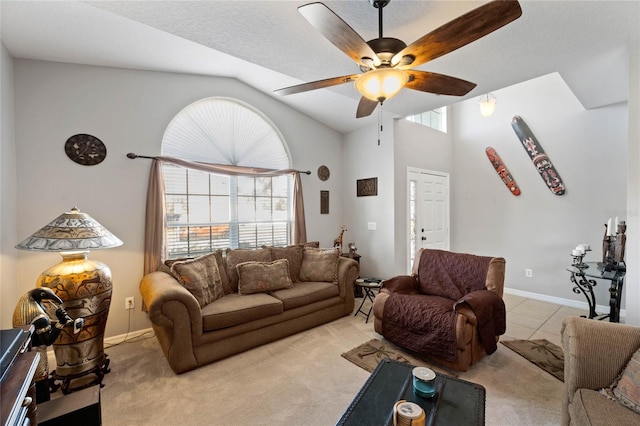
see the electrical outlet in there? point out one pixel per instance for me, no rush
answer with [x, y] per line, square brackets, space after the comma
[129, 302]
[528, 273]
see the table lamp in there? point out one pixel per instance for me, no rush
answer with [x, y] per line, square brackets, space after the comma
[85, 288]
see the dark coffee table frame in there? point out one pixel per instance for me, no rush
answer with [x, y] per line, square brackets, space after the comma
[457, 401]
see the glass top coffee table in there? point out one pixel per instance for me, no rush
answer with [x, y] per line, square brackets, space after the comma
[457, 402]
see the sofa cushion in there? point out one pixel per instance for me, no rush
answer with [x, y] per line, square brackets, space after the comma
[235, 256]
[263, 277]
[201, 277]
[306, 293]
[312, 244]
[627, 388]
[235, 309]
[320, 265]
[293, 254]
[589, 407]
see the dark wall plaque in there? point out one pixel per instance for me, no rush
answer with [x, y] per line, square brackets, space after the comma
[324, 202]
[367, 187]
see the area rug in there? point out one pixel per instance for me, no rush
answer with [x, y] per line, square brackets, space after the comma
[368, 355]
[540, 352]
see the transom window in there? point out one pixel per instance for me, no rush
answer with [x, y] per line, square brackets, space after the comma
[436, 119]
[207, 211]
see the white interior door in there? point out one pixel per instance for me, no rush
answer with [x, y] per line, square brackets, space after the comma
[428, 197]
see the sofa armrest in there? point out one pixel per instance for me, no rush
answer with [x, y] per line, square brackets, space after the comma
[495, 276]
[465, 314]
[406, 284]
[595, 353]
[348, 271]
[169, 304]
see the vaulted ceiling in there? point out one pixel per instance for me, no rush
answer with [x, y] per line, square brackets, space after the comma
[269, 45]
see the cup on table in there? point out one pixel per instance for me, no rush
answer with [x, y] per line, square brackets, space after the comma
[424, 381]
[407, 413]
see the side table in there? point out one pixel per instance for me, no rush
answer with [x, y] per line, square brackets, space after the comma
[368, 285]
[580, 275]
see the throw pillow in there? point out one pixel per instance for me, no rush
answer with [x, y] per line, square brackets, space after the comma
[221, 268]
[627, 390]
[201, 277]
[262, 277]
[223, 273]
[236, 256]
[293, 254]
[319, 265]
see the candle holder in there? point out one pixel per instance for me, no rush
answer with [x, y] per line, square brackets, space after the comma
[613, 247]
[578, 255]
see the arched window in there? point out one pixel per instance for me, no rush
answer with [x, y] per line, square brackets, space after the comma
[207, 211]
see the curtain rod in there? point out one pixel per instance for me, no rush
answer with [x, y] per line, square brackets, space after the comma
[133, 156]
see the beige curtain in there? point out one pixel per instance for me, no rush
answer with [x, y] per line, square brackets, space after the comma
[155, 249]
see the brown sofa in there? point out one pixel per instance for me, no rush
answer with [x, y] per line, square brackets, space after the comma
[192, 335]
[595, 354]
[456, 295]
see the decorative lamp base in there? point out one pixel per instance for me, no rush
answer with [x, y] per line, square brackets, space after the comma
[85, 288]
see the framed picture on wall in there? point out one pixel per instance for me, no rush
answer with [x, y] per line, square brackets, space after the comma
[367, 187]
[324, 202]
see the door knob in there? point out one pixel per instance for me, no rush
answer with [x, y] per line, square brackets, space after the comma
[424, 238]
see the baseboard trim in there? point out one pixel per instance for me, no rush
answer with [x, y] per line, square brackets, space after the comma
[560, 301]
[116, 340]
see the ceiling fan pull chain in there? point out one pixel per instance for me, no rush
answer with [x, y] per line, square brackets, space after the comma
[379, 122]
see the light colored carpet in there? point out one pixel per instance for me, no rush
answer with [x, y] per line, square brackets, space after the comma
[301, 380]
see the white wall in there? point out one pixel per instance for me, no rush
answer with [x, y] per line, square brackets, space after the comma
[538, 229]
[632, 279]
[8, 256]
[421, 147]
[364, 158]
[129, 111]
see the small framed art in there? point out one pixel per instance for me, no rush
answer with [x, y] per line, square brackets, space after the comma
[324, 202]
[367, 187]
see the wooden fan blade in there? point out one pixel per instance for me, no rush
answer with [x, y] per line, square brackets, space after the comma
[439, 84]
[461, 31]
[320, 84]
[338, 32]
[366, 107]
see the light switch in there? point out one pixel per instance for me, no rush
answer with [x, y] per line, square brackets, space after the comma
[371, 226]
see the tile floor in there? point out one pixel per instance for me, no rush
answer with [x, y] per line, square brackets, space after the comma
[534, 319]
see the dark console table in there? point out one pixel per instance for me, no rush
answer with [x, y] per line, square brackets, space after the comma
[583, 277]
[457, 402]
[17, 388]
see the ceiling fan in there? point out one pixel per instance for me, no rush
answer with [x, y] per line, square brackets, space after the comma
[386, 63]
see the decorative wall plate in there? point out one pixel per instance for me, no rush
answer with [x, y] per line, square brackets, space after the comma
[85, 149]
[323, 172]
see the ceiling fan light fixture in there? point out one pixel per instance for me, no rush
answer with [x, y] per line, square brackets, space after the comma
[487, 105]
[381, 84]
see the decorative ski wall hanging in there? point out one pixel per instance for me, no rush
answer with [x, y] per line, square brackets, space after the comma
[502, 171]
[540, 159]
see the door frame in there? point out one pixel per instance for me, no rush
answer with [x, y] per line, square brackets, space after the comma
[445, 175]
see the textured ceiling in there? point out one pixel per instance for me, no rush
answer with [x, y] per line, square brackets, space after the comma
[269, 45]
